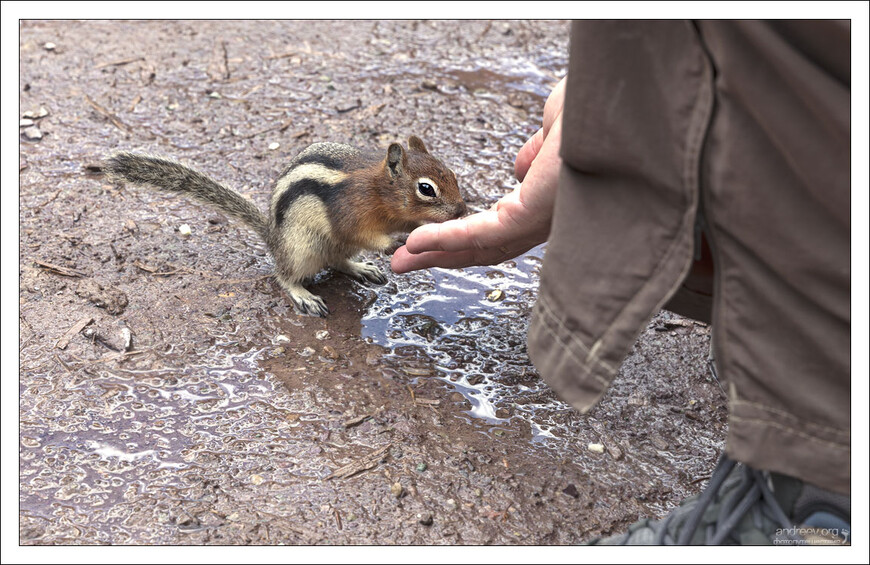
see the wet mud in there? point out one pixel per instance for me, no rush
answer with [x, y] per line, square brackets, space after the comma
[170, 394]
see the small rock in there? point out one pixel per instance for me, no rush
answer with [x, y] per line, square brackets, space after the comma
[127, 336]
[184, 230]
[257, 479]
[30, 114]
[595, 448]
[33, 133]
[321, 334]
[416, 372]
[495, 295]
[307, 352]
[373, 358]
[397, 489]
[637, 401]
[25, 122]
[659, 442]
[329, 352]
[49, 46]
[214, 94]
[425, 518]
[451, 504]
[571, 491]
[614, 451]
[421, 467]
[429, 84]
[233, 517]
[274, 145]
[281, 338]
[478, 493]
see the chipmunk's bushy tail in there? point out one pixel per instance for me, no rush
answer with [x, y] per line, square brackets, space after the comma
[171, 176]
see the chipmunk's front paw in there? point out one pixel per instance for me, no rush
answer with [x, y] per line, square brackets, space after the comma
[305, 302]
[363, 272]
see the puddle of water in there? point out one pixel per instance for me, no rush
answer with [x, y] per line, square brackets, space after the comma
[471, 324]
[107, 449]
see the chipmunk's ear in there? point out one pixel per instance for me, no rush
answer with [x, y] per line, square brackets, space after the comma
[396, 159]
[416, 144]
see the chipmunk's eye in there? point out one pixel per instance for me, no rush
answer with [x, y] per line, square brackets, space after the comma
[427, 189]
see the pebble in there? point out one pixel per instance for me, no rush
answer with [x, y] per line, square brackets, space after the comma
[495, 296]
[214, 94]
[184, 230]
[25, 122]
[32, 115]
[321, 334]
[49, 46]
[257, 479]
[307, 352]
[373, 358]
[397, 490]
[422, 467]
[659, 442]
[451, 504]
[274, 145]
[281, 337]
[233, 517]
[329, 352]
[595, 448]
[33, 133]
[425, 518]
[614, 451]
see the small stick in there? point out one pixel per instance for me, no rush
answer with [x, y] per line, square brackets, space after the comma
[109, 116]
[363, 464]
[70, 333]
[120, 63]
[65, 271]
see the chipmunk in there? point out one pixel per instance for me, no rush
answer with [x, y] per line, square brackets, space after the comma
[330, 202]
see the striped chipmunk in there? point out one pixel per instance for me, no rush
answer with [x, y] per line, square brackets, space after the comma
[331, 202]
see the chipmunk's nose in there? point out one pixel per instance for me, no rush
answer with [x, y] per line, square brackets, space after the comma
[460, 210]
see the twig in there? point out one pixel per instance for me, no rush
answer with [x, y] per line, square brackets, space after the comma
[135, 103]
[281, 56]
[49, 201]
[427, 401]
[109, 116]
[154, 271]
[119, 63]
[363, 464]
[60, 270]
[70, 333]
[282, 126]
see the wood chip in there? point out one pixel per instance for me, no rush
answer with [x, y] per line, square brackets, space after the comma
[58, 269]
[363, 464]
[427, 401]
[357, 420]
[70, 333]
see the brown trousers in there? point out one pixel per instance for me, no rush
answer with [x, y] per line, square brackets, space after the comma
[740, 131]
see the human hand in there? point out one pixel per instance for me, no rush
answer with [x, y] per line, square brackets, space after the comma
[516, 223]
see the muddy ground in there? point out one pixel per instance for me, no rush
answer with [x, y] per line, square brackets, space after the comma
[170, 395]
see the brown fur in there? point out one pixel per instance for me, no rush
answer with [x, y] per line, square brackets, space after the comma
[378, 197]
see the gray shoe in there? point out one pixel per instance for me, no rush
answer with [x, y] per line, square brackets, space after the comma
[742, 506]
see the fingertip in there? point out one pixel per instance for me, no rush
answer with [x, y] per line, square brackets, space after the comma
[399, 260]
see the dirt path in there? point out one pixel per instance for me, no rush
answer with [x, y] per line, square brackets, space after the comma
[170, 395]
